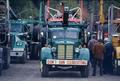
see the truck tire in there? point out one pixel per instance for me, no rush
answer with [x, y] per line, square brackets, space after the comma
[45, 71]
[35, 47]
[0, 69]
[34, 52]
[116, 71]
[36, 34]
[85, 72]
[6, 58]
[24, 58]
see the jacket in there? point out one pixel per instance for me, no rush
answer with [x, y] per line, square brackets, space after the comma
[91, 43]
[98, 50]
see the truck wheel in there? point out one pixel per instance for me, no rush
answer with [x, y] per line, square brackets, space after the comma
[44, 71]
[36, 34]
[6, 52]
[24, 57]
[0, 69]
[85, 72]
[116, 71]
[34, 52]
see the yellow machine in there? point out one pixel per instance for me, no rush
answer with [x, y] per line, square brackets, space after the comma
[116, 44]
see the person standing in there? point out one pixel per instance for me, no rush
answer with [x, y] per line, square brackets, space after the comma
[98, 51]
[108, 57]
[90, 46]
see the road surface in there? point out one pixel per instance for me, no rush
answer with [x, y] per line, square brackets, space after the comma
[30, 72]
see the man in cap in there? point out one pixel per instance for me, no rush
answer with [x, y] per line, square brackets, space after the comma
[108, 57]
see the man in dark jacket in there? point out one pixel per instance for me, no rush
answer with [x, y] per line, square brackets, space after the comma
[98, 51]
[108, 57]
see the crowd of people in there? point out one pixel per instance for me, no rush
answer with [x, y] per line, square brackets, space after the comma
[101, 55]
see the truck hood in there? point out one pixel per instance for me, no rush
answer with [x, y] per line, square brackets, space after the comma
[17, 42]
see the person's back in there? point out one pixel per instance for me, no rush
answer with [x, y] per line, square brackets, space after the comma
[98, 50]
[108, 58]
[91, 43]
[108, 48]
[90, 46]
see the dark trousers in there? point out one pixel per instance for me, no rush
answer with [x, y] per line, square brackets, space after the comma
[98, 62]
[108, 65]
[91, 57]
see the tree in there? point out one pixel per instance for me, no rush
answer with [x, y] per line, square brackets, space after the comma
[21, 5]
[24, 8]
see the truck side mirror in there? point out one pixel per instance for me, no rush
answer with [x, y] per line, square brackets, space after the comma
[79, 34]
[49, 34]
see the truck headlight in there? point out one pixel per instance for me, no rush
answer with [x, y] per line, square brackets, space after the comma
[19, 43]
[53, 49]
[77, 50]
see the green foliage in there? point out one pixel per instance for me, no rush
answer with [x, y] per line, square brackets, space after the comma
[24, 8]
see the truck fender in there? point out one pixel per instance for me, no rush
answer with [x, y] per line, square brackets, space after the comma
[46, 53]
[84, 54]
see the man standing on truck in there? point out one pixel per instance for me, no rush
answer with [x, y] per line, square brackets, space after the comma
[98, 51]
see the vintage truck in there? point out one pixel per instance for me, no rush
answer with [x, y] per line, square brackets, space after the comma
[63, 50]
[65, 32]
[18, 34]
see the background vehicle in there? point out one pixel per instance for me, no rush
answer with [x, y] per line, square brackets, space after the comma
[33, 38]
[114, 35]
[4, 37]
[18, 35]
[116, 44]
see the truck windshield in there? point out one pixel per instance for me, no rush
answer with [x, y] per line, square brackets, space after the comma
[65, 34]
[16, 28]
[71, 34]
[58, 34]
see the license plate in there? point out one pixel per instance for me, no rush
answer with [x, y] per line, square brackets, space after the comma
[66, 62]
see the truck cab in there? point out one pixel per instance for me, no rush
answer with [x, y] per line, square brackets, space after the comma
[18, 44]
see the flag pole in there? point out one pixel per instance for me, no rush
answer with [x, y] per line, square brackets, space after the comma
[102, 20]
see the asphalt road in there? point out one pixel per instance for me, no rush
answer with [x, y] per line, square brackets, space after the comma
[30, 72]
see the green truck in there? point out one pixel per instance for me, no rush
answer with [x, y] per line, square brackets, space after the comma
[18, 33]
[65, 32]
[63, 50]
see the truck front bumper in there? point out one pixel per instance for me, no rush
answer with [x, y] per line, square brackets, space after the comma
[16, 53]
[66, 62]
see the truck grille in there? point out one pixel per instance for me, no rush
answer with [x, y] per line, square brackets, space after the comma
[61, 51]
[65, 51]
[69, 51]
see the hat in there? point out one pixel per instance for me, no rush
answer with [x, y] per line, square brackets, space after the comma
[106, 39]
